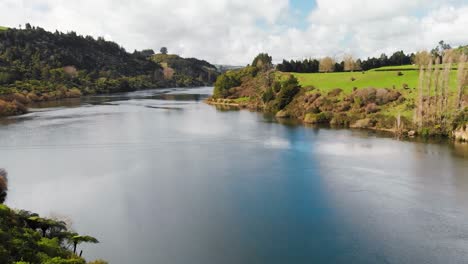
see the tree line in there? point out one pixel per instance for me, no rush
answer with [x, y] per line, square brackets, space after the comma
[348, 63]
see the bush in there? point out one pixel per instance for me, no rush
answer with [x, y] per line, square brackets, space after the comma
[98, 261]
[364, 96]
[268, 95]
[289, 88]
[371, 108]
[384, 96]
[335, 92]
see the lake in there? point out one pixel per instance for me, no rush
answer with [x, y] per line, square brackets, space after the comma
[158, 176]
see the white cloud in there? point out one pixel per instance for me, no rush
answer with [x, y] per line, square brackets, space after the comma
[233, 31]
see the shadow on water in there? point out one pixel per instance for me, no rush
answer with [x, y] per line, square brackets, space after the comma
[207, 185]
[163, 99]
[460, 149]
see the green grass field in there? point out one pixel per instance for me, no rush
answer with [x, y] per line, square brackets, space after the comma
[385, 77]
[3, 28]
[372, 78]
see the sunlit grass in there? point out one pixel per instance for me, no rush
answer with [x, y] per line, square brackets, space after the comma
[385, 77]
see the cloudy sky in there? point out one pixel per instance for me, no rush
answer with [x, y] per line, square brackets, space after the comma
[234, 31]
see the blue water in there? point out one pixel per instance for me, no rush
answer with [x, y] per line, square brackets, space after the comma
[160, 177]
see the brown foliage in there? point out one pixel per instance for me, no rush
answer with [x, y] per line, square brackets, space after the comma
[335, 92]
[384, 96]
[327, 64]
[372, 108]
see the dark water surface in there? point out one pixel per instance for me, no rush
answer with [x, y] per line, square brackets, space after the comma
[161, 177]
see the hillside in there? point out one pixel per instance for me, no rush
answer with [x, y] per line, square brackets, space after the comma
[186, 71]
[385, 98]
[37, 65]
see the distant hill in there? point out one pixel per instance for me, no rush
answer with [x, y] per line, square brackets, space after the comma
[186, 70]
[225, 68]
[37, 65]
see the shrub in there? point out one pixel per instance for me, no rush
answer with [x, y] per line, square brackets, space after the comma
[371, 108]
[289, 88]
[399, 73]
[98, 261]
[224, 83]
[335, 92]
[268, 95]
[320, 118]
[384, 96]
[364, 96]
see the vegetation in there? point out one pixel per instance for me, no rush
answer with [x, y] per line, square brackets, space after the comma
[348, 63]
[182, 72]
[393, 98]
[36, 65]
[26, 237]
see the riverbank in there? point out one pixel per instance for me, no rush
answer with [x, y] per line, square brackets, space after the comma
[17, 103]
[391, 101]
[343, 120]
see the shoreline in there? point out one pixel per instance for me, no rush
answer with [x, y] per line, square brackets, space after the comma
[458, 135]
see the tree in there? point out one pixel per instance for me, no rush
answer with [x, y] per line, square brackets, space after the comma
[439, 50]
[163, 50]
[422, 58]
[327, 64]
[3, 185]
[462, 77]
[349, 63]
[77, 239]
[45, 224]
[263, 61]
[289, 88]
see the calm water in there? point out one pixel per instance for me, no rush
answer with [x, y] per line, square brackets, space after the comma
[160, 177]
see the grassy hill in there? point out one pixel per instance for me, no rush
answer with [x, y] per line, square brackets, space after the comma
[3, 28]
[384, 77]
[379, 98]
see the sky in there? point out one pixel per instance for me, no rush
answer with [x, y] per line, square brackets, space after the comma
[234, 31]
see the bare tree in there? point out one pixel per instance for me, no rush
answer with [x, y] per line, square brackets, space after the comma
[422, 58]
[349, 63]
[419, 109]
[327, 64]
[436, 102]
[461, 79]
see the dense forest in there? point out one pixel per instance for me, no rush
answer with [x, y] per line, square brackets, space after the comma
[37, 65]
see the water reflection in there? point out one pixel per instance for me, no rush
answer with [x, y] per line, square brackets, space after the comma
[158, 176]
